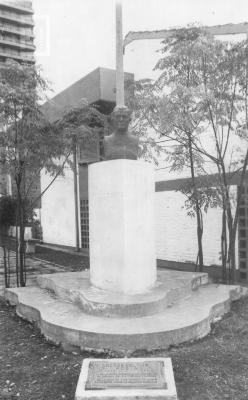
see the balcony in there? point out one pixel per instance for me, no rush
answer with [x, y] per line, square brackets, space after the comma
[18, 44]
[18, 57]
[16, 30]
[17, 18]
[16, 7]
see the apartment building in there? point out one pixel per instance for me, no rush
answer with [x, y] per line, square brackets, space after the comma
[17, 43]
[16, 31]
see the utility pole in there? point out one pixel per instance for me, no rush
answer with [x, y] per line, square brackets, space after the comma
[75, 173]
[119, 56]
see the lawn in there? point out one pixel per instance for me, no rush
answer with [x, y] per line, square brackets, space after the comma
[213, 368]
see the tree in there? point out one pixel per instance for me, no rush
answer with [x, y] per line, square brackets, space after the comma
[26, 137]
[201, 93]
[7, 218]
[173, 107]
[30, 143]
[225, 79]
[85, 126]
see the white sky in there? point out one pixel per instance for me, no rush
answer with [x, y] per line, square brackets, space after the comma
[73, 37]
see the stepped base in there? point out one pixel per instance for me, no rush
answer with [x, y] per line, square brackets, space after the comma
[170, 287]
[64, 322]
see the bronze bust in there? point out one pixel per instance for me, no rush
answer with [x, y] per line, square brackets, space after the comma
[121, 144]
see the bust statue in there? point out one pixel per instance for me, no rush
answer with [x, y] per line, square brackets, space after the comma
[121, 143]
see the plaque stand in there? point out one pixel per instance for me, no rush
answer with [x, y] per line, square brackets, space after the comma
[126, 379]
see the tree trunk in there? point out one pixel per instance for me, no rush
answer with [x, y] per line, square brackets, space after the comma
[197, 207]
[199, 236]
[224, 245]
[22, 247]
[3, 242]
[231, 257]
[232, 241]
[21, 243]
[17, 247]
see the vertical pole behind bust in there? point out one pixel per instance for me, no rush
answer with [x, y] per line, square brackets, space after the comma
[119, 56]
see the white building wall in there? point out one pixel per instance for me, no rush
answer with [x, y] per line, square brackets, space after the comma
[142, 55]
[176, 236]
[58, 212]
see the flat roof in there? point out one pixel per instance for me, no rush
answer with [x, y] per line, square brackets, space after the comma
[226, 29]
[96, 87]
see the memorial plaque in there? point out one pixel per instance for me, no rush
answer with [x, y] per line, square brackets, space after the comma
[125, 375]
[127, 379]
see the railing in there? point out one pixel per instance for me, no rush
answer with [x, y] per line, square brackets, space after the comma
[21, 31]
[17, 56]
[10, 261]
[17, 42]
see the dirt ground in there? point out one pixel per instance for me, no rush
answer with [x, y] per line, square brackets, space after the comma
[214, 368]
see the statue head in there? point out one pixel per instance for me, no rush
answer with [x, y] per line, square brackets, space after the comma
[121, 117]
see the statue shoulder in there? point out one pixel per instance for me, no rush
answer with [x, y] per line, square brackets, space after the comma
[133, 138]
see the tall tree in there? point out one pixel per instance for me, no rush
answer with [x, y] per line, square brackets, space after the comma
[173, 107]
[225, 78]
[198, 107]
[30, 143]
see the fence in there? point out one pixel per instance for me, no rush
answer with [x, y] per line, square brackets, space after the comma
[9, 260]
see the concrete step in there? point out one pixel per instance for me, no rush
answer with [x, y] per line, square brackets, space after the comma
[171, 287]
[65, 323]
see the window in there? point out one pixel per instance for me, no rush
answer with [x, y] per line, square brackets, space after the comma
[84, 217]
[243, 233]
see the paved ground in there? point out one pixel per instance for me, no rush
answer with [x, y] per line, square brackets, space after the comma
[34, 266]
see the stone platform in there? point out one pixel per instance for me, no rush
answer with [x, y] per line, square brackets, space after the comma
[179, 308]
[75, 287]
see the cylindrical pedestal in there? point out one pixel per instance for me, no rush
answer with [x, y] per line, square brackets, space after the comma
[121, 226]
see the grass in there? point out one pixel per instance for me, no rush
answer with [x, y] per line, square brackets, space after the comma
[213, 368]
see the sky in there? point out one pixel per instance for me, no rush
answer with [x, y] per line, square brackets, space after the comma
[74, 37]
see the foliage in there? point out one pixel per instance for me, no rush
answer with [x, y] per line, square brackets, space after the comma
[82, 125]
[148, 147]
[31, 143]
[28, 138]
[173, 108]
[198, 108]
[208, 197]
[224, 79]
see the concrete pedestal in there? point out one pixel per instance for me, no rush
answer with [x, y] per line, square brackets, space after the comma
[121, 223]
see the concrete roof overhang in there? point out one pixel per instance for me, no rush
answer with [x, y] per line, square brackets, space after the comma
[98, 88]
[211, 180]
[227, 29]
